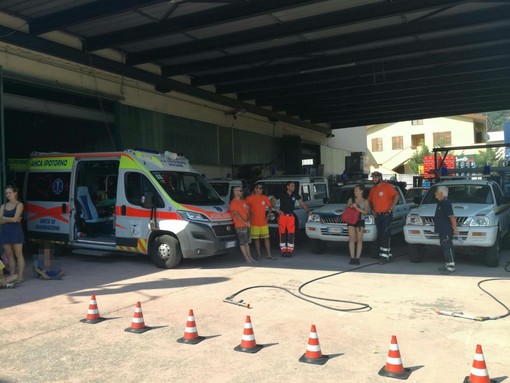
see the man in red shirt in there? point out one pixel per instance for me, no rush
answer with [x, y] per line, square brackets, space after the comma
[258, 203]
[239, 210]
[383, 197]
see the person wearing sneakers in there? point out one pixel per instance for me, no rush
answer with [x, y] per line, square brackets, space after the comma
[383, 198]
[240, 214]
[445, 225]
[12, 237]
[356, 230]
[258, 203]
[286, 219]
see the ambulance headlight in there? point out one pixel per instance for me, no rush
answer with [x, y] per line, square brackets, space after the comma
[192, 216]
[480, 220]
[314, 218]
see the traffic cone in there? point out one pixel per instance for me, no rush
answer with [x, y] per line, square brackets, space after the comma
[93, 312]
[313, 352]
[137, 324]
[248, 343]
[479, 373]
[190, 332]
[394, 367]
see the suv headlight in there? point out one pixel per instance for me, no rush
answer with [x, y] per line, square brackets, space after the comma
[479, 220]
[314, 218]
[192, 216]
[369, 220]
[414, 219]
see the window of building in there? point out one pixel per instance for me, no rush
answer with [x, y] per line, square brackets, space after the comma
[417, 140]
[417, 122]
[377, 145]
[442, 138]
[397, 143]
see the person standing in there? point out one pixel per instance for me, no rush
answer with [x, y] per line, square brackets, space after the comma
[286, 219]
[258, 203]
[383, 198]
[356, 231]
[239, 210]
[445, 225]
[12, 237]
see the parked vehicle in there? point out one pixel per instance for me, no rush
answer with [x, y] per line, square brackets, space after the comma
[482, 213]
[225, 186]
[415, 195]
[324, 224]
[133, 201]
[313, 190]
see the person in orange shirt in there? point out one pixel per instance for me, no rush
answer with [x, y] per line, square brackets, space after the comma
[383, 197]
[258, 203]
[239, 210]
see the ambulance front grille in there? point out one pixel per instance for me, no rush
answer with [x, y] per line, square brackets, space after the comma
[224, 230]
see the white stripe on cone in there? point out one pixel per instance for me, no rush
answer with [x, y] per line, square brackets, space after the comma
[190, 329]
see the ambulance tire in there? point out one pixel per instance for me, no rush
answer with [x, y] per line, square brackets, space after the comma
[166, 252]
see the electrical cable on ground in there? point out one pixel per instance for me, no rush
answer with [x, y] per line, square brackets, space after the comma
[361, 307]
[459, 314]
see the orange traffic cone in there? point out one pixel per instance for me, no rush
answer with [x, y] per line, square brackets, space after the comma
[248, 343]
[137, 324]
[190, 332]
[93, 312]
[479, 373]
[394, 367]
[313, 352]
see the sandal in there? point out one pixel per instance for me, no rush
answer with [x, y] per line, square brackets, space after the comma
[9, 285]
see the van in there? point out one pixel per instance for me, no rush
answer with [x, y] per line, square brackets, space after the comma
[225, 187]
[313, 190]
[134, 201]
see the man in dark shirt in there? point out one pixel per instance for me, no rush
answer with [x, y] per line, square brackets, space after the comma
[446, 226]
[286, 219]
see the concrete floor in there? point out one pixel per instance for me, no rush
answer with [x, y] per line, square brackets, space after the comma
[43, 340]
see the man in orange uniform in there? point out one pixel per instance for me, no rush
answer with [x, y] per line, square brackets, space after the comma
[239, 210]
[258, 203]
[383, 197]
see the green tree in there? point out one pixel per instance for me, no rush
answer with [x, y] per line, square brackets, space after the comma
[486, 157]
[417, 158]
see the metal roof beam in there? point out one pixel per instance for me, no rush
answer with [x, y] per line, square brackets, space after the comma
[351, 40]
[85, 12]
[282, 30]
[355, 122]
[234, 11]
[58, 50]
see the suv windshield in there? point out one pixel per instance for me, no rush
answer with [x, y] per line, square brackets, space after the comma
[274, 188]
[343, 194]
[188, 188]
[467, 193]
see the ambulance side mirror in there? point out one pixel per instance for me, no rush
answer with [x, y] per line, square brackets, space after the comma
[148, 200]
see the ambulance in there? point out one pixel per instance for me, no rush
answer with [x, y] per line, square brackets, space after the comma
[134, 201]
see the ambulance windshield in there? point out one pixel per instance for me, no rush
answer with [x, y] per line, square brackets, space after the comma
[188, 188]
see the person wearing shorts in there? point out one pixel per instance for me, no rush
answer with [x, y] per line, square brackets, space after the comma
[241, 216]
[258, 204]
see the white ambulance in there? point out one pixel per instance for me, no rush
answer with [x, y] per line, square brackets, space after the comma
[135, 201]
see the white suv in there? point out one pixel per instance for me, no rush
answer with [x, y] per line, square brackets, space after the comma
[483, 218]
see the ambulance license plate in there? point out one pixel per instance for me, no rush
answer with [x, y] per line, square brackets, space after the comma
[230, 244]
[335, 229]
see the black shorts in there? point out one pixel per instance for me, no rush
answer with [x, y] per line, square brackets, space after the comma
[360, 223]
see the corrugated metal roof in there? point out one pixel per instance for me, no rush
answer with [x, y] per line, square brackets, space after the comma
[340, 63]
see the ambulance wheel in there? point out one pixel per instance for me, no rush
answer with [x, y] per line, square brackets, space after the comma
[166, 252]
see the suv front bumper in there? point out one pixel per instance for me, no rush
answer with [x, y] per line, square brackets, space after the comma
[468, 236]
[337, 232]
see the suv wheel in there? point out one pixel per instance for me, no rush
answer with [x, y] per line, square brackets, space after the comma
[416, 253]
[317, 246]
[492, 253]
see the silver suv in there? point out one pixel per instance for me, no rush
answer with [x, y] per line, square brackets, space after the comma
[483, 218]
